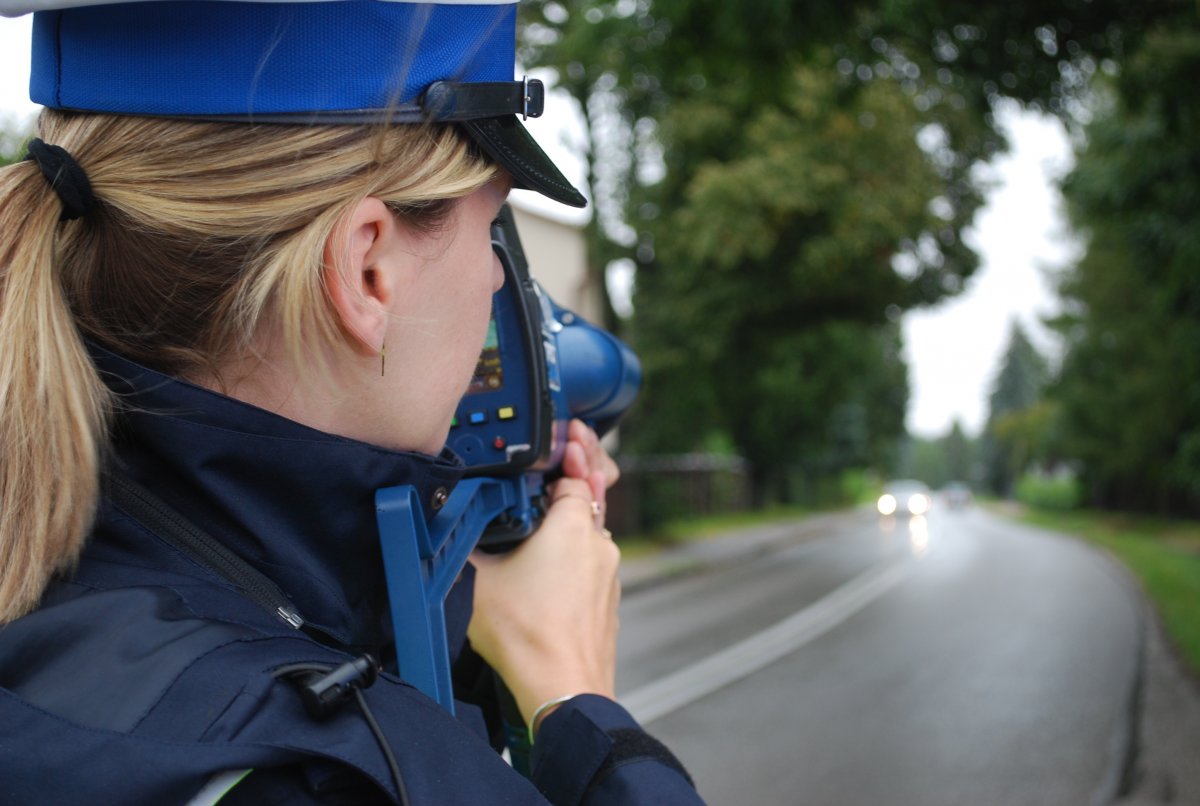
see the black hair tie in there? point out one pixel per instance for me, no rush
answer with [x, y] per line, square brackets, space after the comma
[66, 178]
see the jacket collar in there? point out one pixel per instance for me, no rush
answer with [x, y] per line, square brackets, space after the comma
[296, 503]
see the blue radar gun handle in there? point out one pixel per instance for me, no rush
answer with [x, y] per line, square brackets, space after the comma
[421, 562]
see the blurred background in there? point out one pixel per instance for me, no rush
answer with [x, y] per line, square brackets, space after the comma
[853, 241]
[943, 251]
[950, 240]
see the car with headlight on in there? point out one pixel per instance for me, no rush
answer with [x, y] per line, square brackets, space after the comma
[904, 497]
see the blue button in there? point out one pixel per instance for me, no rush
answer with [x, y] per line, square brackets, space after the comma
[477, 417]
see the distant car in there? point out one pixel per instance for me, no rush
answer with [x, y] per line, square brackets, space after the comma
[957, 495]
[904, 497]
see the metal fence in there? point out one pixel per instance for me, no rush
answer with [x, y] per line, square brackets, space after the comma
[656, 489]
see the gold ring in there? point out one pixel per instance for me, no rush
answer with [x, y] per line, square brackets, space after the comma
[596, 508]
[606, 533]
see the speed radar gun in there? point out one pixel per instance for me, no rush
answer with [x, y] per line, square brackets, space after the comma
[540, 367]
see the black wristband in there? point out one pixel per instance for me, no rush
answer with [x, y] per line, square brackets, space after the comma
[631, 745]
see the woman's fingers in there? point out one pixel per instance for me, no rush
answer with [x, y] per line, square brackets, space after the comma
[590, 491]
[546, 612]
[595, 457]
[575, 464]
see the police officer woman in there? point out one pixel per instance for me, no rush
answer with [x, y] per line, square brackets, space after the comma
[245, 274]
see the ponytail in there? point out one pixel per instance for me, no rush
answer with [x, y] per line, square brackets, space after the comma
[196, 235]
[53, 405]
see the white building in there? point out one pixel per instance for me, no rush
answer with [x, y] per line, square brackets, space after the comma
[557, 254]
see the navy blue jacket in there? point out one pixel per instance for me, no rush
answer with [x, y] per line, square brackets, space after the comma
[144, 674]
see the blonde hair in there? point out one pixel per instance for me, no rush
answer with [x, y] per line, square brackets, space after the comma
[202, 230]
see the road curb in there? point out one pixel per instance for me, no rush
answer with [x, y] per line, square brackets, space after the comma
[1165, 769]
[1118, 781]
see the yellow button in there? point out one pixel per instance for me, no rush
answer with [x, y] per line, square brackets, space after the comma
[506, 413]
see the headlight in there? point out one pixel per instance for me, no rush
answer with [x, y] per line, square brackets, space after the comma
[918, 504]
[886, 504]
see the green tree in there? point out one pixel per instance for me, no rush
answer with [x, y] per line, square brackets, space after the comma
[1130, 385]
[959, 450]
[923, 460]
[786, 174]
[1017, 388]
[764, 287]
[13, 136]
[1030, 436]
[939, 461]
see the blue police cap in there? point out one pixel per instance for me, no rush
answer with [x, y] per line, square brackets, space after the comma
[312, 62]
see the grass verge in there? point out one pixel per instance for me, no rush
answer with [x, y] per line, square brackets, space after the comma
[1163, 554]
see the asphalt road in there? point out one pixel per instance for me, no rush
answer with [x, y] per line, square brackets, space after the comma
[960, 659]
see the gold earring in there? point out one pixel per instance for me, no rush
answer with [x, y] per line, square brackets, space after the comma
[382, 358]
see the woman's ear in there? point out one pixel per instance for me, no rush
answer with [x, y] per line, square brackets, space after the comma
[364, 263]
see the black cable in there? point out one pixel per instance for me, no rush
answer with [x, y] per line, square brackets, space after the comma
[397, 778]
[293, 670]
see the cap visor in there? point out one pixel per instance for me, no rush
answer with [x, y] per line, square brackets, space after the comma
[506, 141]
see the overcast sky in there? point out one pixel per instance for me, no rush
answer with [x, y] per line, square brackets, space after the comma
[953, 351]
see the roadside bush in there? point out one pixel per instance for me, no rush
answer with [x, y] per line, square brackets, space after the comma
[858, 486]
[1058, 493]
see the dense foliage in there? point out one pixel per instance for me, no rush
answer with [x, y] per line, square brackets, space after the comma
[785, 199]
[1130, 387]
[953, 457]
[1014, 408]
[790, 177]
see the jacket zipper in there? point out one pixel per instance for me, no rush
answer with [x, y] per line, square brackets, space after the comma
[154, 514]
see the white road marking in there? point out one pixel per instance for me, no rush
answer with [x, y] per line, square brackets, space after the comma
[667, 694]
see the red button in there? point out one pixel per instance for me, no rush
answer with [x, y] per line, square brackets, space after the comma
[498, 443]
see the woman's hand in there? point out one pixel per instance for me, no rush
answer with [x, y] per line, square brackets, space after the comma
[586, 459]
[546, 613]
